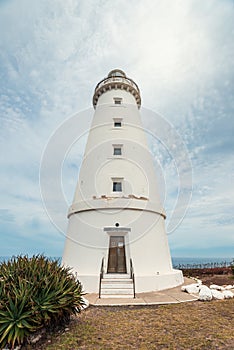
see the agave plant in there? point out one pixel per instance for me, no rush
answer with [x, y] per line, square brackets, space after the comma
[35, 292]
[16, 321]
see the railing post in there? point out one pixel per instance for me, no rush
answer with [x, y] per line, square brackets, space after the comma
[101, 277]
[132, 276]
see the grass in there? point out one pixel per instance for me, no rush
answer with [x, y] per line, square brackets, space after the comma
[193, 325]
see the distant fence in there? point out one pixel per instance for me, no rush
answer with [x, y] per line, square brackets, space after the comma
[210, 265]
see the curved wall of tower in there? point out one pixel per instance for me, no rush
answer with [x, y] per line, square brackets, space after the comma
[117, 196]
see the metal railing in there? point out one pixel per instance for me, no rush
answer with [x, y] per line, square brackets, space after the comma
[123, 80]
[101, 277]
[116, 83]
[132, 276]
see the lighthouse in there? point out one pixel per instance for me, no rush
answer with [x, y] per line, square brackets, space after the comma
[116, 240]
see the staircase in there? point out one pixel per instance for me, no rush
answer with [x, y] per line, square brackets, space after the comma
[116, 286]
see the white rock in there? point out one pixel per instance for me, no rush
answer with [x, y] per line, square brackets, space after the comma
[204, 287]
[229, 287]
[228, 294]
[216, 294]
[35, 339]
[205, 294]
[215, 286]
[191, 288]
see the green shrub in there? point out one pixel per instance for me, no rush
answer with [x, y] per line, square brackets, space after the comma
[34, 293]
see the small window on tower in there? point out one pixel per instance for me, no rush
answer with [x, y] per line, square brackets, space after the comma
[117, 100]
[117, 184]
[117, 123]
[117, 150]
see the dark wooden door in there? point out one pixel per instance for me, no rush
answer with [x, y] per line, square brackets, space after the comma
[116, 259]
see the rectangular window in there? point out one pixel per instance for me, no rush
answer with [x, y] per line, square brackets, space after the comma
[117, 151]
[117, 186]
[117, 100]
[117, 122]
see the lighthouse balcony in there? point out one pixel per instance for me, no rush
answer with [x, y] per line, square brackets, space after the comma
[114, 83]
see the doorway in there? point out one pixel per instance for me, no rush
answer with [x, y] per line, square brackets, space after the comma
[117, 258]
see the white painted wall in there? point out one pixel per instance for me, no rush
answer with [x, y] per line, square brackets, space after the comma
[107, 98]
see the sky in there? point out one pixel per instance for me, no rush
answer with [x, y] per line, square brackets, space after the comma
[181, 55]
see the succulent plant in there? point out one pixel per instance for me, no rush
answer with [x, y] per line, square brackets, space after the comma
[35, 292]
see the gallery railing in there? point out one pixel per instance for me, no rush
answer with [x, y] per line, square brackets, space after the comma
[132, 276]
[101, 277]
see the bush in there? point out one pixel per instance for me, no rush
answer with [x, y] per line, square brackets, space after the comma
[206, 271]
[232, 266]
[34, 293]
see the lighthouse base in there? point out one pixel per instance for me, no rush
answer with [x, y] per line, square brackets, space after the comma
[142, 283]
[159, 282]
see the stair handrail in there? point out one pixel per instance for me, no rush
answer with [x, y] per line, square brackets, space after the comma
[132, 276]
[101, 277]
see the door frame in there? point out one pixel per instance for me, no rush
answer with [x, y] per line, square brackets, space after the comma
[114, 231]
[115, 255]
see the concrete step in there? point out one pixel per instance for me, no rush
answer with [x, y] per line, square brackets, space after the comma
[117, 292]
[115, 296]
[117, 281]
[116, 285]
[116, 276]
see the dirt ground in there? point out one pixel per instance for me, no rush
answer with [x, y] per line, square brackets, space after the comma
[190, 326]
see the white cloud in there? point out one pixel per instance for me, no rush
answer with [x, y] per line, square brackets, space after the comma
[52, 53]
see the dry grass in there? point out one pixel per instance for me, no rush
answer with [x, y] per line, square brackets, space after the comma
[193, 325]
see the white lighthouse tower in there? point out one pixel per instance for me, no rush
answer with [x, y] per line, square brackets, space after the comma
[116, 239]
